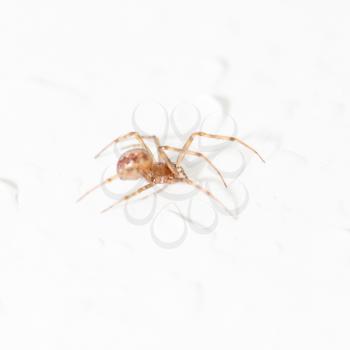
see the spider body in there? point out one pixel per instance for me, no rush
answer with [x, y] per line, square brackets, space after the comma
[161, 174]
[134, 163]
[139, 163]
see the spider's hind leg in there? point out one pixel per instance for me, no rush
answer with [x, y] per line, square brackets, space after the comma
[208, 193]
[128, 196]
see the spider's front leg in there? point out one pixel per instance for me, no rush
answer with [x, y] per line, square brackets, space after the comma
[125, 137]
[211, 136]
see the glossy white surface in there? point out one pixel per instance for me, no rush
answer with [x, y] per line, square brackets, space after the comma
[71, 73]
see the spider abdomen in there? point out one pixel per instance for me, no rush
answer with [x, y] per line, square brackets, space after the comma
[133, 163]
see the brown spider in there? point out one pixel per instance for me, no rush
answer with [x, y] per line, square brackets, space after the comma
[139, 163]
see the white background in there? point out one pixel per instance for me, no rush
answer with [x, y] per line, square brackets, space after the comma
[71, 73]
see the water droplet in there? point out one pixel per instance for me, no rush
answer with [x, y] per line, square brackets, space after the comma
[169, 229]
[151, 118]
[141, 211]
[12, 188]
[185, 119]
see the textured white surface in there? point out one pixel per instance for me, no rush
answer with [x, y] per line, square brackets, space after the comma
[71, 73]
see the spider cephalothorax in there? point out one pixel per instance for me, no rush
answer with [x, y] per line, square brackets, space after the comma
[140, 163]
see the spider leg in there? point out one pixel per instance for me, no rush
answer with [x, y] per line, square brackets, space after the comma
[162, 155]
[128, 196]
[197, 154]
[211, 136]
[208, 193]
[125, 137]
[154, 193]
[110, 179]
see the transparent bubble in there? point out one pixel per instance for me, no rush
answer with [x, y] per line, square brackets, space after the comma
[184, 120]
[223, 125]
[231, 161]
[151, 118]
[178, 192]
[11, 188]
[141, 211]
[168, 229]
[235, 197]
[202, 216]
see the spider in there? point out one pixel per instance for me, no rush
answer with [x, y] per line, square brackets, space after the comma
[139, 163]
